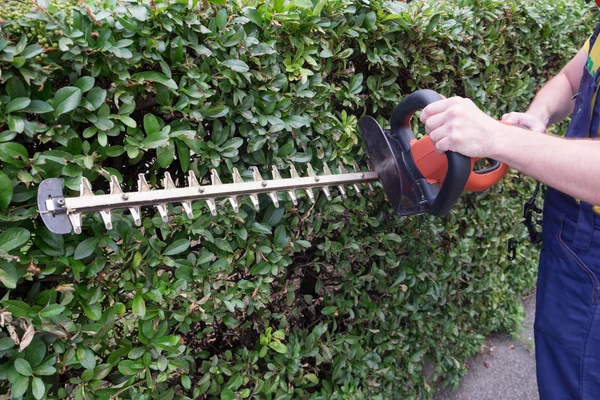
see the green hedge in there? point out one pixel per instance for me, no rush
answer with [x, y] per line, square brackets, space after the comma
[338, 300]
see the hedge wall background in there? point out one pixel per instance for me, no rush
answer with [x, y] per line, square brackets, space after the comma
[341, 300]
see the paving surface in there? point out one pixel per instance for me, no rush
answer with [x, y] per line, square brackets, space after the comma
[504, 369]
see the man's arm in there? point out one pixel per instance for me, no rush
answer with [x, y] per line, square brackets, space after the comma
[569, 165]
[554, 102]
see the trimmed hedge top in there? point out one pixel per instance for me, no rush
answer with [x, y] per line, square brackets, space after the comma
[338, 300]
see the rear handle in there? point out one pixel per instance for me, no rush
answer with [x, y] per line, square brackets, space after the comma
[459, 166]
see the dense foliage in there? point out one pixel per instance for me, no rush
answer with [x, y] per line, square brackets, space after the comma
[342, 299]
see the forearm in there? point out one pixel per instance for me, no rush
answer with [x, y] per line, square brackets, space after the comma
[554, 102]
[568, 165]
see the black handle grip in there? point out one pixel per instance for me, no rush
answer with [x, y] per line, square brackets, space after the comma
[459, 166]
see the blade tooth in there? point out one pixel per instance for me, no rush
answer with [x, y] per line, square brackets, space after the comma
[292, 193]
[254, 197]
[212, 206]
[217, 181]
[294, 171]
[370, 167]
[142, 184]
[237, 179]
[107, 218]
[309, 192]
[192, 180]
[76, 222]
[273, 195]
[356, 187]
[163, 209]
[135, 213]
[164, 213]
[214, 177]
[328, 172]
[187, 205]
[115, 188]
[168, 181]
[85, 189]
[313, 173]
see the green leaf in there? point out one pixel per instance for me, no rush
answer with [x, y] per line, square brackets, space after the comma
[66, 99]
[52, 310]
[177, 247]
[92, 311]
[138, 12]
[205, 257]
[19, 386]
[6, 343]
[86, 358]
[227, 394]
[86, 248]
[260, 228]
[253, 15]
[237, 65]
[278, 347]
[221, 19]
[186, 382]
[38, 388]
[44, 370]
[139, 305]
[8, 275]
[256, 143]
[13, 238]
[35, 352]
[215, 112]
[23, 367]
[85, 83]
[32, 51]
[165, 155]
[153, 76]
[38, 107]
[14, 153]
[96, 97]
[17, 104]
[156, 140]
[329, 310]
[151, 124]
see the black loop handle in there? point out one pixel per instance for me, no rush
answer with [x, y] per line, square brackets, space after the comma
[459, 166]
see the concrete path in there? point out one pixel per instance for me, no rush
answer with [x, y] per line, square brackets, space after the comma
[504, 369]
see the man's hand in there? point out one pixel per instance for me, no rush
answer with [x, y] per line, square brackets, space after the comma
[457, 124]
[525, 120]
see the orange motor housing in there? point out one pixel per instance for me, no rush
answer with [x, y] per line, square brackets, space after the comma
[434, 166]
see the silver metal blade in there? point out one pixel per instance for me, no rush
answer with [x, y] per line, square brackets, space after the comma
[160, 198]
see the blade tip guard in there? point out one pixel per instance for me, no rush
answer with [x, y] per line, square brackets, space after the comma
[51, 206]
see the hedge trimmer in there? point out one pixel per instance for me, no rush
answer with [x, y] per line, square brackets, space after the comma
[414, 176]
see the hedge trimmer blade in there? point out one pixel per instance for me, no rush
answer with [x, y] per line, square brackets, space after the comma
[63, 214]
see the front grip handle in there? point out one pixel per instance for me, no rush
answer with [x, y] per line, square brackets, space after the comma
[459, 166]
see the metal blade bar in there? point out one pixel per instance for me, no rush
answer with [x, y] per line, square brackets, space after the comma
[92, 203]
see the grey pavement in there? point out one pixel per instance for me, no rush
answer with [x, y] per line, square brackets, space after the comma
[504, 369]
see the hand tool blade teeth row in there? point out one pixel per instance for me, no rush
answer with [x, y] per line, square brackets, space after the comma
[210, 193]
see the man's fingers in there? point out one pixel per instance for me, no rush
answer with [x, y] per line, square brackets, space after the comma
[443, 145]
[434, 108]
[434, 122]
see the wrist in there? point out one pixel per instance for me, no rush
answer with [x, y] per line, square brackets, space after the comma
[541, 114]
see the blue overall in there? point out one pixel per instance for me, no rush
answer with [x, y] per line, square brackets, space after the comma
[567, 321]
